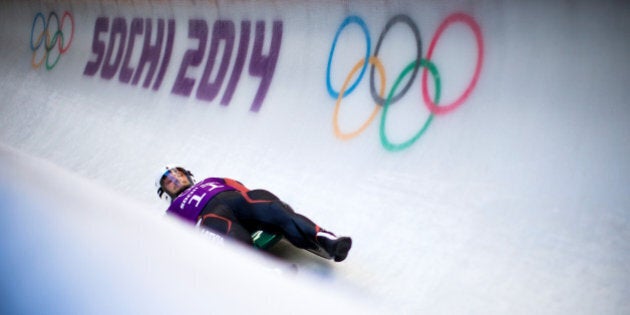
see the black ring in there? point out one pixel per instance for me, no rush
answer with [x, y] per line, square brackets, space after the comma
[416, 32]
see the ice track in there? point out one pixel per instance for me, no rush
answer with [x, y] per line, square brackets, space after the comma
[507, 197]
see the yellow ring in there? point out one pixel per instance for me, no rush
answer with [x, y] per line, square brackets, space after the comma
[36, 65]
[347, 136]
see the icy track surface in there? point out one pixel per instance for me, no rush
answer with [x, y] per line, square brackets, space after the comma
[476, 151]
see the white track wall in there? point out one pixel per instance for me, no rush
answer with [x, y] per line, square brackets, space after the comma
[513, 199]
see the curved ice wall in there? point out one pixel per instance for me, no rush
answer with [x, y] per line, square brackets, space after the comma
[488, 137]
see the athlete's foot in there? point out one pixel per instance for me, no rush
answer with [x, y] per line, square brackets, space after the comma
[336, 247]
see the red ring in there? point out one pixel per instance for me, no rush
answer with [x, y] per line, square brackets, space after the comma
[455, 17]
[64, 49]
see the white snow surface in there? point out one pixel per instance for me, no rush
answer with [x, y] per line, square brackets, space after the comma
[516, 202]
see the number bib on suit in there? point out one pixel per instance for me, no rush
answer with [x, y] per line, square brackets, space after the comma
[189, 204]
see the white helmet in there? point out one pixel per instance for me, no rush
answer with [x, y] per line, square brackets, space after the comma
[179, 184]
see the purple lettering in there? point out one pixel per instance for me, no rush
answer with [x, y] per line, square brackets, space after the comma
[98, 46]
[115, 52]
[135, 29]
[118, 31]
[150, 53]
[239, 63]
[222, 31]
[196, 29]
[264, 66]
[167, 54]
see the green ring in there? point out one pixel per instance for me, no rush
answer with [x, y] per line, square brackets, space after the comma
[48, 65]
[436, 79]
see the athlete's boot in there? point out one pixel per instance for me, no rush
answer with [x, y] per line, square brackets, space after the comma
[336, 247]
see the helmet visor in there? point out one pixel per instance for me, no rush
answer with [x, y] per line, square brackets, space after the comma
[174, 181]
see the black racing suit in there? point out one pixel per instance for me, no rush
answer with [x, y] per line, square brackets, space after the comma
[227, 207]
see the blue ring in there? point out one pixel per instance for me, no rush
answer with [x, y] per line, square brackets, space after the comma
[348, 20]
[33, 29]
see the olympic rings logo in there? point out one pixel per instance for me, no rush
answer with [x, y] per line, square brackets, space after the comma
[50, 40]
[413, 67]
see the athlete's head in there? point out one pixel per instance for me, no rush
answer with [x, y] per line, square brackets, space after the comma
[173, 181]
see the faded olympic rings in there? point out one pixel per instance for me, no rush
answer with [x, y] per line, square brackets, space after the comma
[49, 42]
[412, 67]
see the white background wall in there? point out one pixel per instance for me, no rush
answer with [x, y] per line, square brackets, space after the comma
[515, 202]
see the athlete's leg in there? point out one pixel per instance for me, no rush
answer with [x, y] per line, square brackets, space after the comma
[261, 195]
[260, 209]
[271, 214]
[218, 217]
